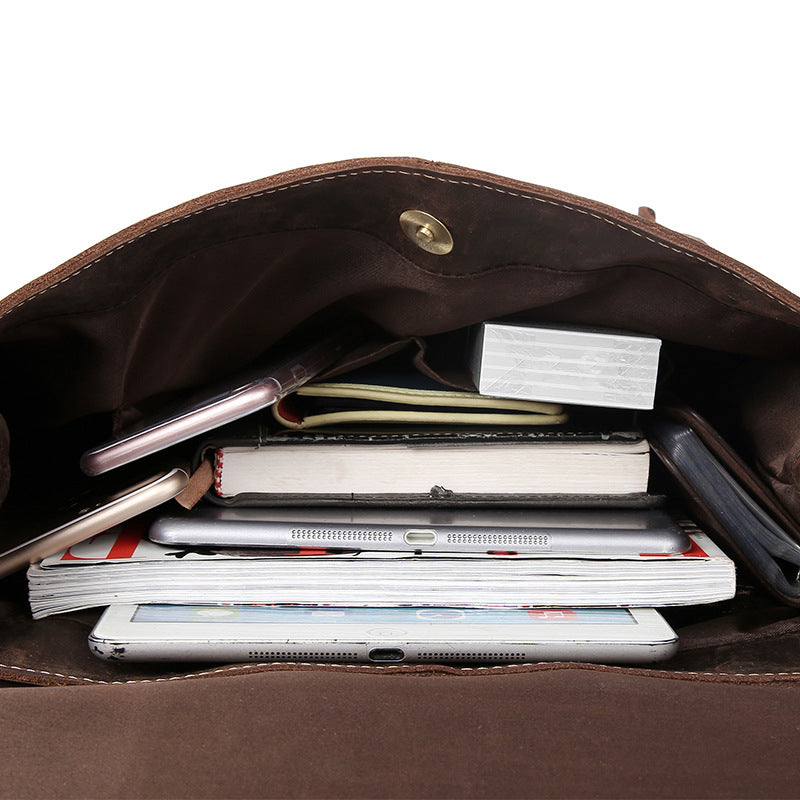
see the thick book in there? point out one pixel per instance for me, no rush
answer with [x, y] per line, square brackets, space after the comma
[411, 465]
[123, 566]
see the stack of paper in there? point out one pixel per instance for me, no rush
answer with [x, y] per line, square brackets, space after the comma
[563, 365]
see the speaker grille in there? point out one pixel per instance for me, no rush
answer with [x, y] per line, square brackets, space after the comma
[293, 655]
[467, 656]
[304, 534]
[508, 539]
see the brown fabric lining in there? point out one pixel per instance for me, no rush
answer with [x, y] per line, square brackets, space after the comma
[5, 466]
[770, 401]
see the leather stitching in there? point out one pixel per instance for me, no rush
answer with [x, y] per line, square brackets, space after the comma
[439, 178]
[367, 668]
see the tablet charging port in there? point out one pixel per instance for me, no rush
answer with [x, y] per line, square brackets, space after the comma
[420, 536]
[384, 654]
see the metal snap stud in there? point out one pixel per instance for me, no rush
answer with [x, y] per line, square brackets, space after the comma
[426, 232]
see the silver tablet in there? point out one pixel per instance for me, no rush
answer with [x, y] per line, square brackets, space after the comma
[380, 635]
[572, 531]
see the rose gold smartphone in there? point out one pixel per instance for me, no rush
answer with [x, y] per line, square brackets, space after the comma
[84, 515]
[218, 405]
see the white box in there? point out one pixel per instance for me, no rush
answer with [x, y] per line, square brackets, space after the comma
[588, 367]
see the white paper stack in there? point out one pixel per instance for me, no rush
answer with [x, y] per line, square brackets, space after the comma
[123, 567]
[566, 365]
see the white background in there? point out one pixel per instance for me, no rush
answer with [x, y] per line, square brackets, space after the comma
[114, 111]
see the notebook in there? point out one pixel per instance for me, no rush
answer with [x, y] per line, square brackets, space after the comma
[373, 396]
[414, 464]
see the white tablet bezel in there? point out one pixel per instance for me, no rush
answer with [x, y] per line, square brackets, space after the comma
[117, 637]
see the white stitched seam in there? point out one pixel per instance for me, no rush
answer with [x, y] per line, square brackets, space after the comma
[416, 175]
[250, 669]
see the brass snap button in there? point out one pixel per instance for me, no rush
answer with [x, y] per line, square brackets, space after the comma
[426, 232]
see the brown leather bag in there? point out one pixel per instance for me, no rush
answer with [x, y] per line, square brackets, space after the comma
[201, 289]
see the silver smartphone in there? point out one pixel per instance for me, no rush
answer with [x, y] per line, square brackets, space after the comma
[219, 405]
[380, 635]
[570, 531]
[84, 515]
